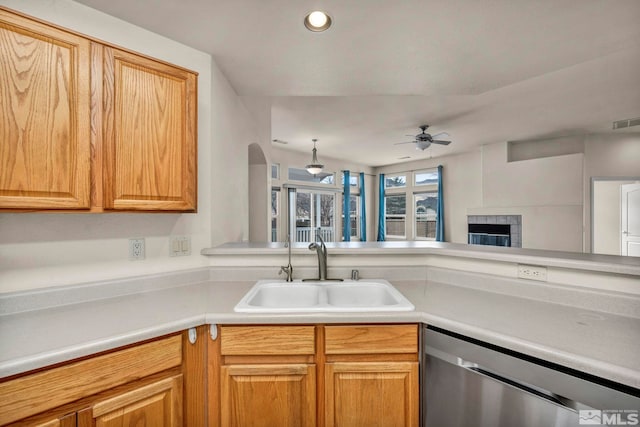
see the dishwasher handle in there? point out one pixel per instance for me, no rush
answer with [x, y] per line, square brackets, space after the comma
[536, 391]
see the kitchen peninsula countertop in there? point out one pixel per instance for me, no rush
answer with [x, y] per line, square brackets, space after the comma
[598, 343]
[560, 259]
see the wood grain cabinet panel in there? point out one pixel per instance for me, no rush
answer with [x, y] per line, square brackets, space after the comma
[376, 394]
[268, 395]
[158, 405]
[149, 124]
[354, 376]
[45, 390]
[65, 421]
[88, 126]
[267, 340]
[44, 116]
[371, 339]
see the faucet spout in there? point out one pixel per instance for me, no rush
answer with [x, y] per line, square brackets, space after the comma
[321, 251]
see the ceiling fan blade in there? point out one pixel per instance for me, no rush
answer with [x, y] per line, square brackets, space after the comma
[408, 142]
[437, 141]
[438, 135]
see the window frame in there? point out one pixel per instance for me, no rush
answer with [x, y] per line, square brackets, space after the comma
[404, 216]
[415, 215]
[398, 187]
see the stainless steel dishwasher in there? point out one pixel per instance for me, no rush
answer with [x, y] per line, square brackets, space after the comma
[468, 383]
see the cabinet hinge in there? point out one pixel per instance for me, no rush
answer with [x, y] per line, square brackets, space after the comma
[213, 330]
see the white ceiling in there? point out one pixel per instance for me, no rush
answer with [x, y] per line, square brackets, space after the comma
[483, 70]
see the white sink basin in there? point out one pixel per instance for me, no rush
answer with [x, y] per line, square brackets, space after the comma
[278, 296]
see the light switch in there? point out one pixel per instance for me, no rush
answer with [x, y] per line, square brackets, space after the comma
[179, 245]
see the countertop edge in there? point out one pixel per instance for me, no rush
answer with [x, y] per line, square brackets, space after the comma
[591, 366]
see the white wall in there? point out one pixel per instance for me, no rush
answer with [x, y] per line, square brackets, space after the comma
[39, 250]
[547, 192]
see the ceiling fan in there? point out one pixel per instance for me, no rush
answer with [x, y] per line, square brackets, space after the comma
[424, 140]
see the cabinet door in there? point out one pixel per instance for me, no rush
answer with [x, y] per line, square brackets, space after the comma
[268, 395]
[158, 404]
[371, 394]
[44, 116]
[66, 421]
[149, 119]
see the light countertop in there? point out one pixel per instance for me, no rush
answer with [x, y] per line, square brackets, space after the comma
[598, 343]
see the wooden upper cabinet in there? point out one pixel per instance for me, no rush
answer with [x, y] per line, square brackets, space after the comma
[84, 125]
[149, 138]
[44, 116]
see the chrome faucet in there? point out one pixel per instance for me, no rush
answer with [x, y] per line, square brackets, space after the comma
[321, 251]
[288, 269]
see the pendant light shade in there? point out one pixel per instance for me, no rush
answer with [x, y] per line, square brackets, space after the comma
[315, 167]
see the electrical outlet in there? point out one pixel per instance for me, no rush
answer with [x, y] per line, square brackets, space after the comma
[532, 272]
[179, 245]
[136, 249]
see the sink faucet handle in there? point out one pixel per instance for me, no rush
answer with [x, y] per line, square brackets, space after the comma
[288, 270]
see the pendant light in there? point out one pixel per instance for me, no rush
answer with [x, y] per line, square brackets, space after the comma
[315, 167]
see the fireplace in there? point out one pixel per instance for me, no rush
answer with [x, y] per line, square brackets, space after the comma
[490, 234]
[495, 230]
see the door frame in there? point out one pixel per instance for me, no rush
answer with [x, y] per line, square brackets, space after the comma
[593, 180]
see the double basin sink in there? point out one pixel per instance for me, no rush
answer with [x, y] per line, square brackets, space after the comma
[278, 296]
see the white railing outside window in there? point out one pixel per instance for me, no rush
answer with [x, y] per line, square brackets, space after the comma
[308, 234]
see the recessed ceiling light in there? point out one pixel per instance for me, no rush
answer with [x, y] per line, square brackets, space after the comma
[317, 21]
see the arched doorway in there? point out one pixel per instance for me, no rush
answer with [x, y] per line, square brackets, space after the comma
[258, 195]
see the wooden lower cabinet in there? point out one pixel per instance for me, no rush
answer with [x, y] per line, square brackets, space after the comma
[69, 420]
[371, 394]
[158, 404]
[266, 395]
[139, 385]
[333, 376]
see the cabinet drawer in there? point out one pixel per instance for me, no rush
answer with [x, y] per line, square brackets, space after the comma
[267, 340]
[372, 339]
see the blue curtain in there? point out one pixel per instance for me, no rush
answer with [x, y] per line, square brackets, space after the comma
[440, 210]
[363, 211]
[346, 210]
[381, 231]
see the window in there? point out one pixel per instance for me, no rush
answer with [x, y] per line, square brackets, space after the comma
[395, 207]
[429, 177]
[354, 217]
[275, 171]
[395, 181]
[297, 174]
[425, 209]
[314, 211]
[275, 213]
[354, 181]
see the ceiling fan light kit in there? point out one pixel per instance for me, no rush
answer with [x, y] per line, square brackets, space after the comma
[315, 167]
[424, 140]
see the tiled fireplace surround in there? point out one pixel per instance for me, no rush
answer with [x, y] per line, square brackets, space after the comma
[515, 221]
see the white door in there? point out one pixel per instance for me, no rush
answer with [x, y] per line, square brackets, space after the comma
[630, 209]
